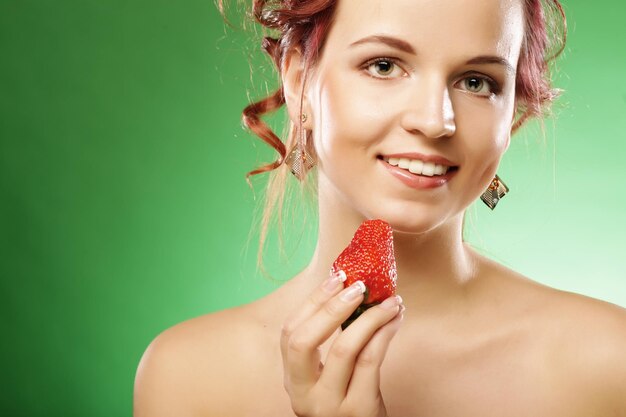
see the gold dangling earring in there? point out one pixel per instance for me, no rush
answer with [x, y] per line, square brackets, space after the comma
[496, 190]
[299, 159]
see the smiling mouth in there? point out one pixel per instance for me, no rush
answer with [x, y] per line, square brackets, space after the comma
[419, 167]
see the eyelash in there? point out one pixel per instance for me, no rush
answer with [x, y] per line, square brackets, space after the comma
[373, 61]
[493, 85]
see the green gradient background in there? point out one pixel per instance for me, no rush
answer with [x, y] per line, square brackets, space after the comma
[124, 209]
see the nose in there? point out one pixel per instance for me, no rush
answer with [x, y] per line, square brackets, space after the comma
[429, 111]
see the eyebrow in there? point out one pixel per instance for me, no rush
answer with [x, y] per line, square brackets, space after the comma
[406, 47]
[490, 59]
[388, 40]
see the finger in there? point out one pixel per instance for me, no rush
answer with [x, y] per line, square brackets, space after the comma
[366, 374]
[343, 354]
[314, 302]
[302, 350]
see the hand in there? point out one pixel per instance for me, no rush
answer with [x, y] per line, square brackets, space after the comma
[348, 383]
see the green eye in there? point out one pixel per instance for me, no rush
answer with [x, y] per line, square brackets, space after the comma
[384, 67]
[481, 86]
[474, 84]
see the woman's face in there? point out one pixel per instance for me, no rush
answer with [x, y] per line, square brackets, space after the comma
[412, 80]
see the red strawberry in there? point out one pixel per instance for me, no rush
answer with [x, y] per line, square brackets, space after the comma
[369, 258]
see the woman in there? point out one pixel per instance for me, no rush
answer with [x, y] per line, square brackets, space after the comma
[368, 84]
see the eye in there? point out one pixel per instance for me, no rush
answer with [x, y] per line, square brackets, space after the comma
[383, 68]
[479, 85]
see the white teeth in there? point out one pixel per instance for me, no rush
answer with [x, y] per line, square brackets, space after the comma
[404, 163]
[429, 169]
[416, 166]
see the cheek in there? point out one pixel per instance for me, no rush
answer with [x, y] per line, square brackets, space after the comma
[485, 128]
[348, 116]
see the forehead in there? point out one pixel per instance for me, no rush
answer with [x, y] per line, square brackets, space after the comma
[434, 27]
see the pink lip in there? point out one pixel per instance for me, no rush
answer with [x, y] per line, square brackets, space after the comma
[426, 158]
[419, 182]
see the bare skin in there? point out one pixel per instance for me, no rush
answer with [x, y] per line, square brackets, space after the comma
[527, 350]
[476, 339]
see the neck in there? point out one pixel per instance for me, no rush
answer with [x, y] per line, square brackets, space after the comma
[434, 267]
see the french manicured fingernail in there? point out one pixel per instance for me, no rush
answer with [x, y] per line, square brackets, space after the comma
[391, 302]
[334, 280]
[331, 283]
[340, 275]
[353, 292]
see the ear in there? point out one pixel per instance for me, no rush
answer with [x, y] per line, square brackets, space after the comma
[292, 76]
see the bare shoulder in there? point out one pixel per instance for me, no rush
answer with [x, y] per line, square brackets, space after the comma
[595, 329]
[591, 316]
[193, 367]
[575, 314]
[577, 319]
[586, 337]
[591, 346]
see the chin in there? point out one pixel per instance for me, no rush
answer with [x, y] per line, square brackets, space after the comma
[412, 224]
[415, 222]
[413, 228]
